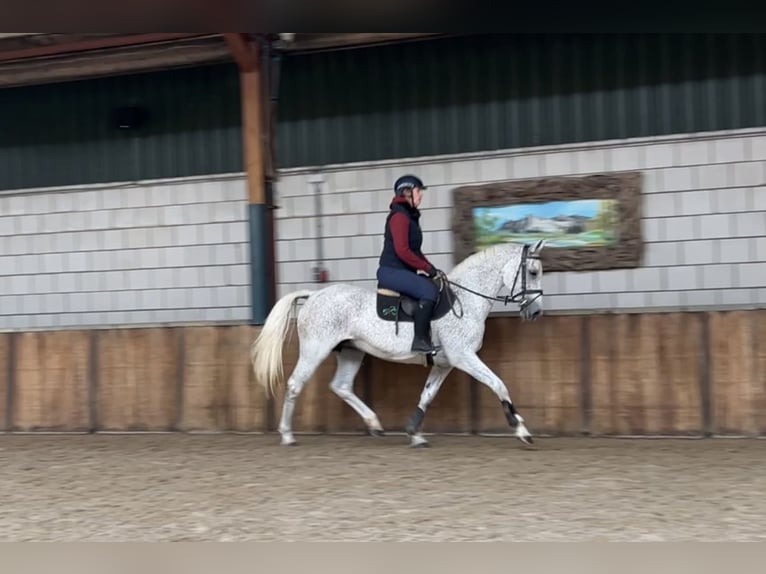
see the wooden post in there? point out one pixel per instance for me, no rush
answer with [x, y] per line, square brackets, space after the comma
[248, 58]
[250, 83]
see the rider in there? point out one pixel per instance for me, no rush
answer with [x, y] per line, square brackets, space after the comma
[402, 258]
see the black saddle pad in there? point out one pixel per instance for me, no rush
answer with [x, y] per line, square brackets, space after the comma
[394, 306]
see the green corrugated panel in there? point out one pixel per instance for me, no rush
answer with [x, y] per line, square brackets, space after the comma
[471, 93]
[486, 92]
[60, 134]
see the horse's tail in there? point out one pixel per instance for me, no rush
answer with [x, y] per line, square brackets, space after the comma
[266, 350]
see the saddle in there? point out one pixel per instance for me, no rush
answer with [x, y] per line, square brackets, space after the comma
[400, 308]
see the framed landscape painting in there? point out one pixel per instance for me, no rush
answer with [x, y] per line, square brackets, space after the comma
[589, 222]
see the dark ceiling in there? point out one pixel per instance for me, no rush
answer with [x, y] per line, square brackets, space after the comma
[40, 57]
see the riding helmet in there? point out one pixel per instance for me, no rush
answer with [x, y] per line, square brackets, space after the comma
[407, 182]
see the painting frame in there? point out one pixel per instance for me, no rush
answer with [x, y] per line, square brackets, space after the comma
[623, 187]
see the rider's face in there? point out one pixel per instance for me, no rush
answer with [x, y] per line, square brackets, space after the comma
[417, 196]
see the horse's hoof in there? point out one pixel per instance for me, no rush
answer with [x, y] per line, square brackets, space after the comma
[376, 433]
[417, 441]
[527, 440]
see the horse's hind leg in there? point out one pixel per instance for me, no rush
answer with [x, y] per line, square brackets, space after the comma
[342, 384]
[311, 356]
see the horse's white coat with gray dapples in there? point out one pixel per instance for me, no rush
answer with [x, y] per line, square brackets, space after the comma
[347, 315]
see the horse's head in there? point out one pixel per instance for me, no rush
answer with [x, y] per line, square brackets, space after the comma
[523, 276]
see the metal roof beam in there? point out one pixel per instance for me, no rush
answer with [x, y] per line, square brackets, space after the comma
[96, 44]
[99, 63]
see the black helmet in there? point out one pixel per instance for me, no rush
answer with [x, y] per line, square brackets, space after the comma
[407, 182]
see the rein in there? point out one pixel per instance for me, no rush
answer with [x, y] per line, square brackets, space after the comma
[512, 298]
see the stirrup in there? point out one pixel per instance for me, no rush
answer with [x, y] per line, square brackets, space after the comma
[430, 351]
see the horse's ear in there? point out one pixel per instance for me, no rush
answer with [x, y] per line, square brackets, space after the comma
[537, 247]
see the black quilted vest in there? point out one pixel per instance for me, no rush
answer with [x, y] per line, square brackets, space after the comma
[388, 257]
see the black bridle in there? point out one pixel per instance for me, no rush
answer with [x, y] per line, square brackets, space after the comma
[525, 296]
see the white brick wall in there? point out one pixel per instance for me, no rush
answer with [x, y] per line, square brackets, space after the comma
[174, 251]
[704, 218]
[177, 251]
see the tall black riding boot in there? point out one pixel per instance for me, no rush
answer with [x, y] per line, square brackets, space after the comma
[421, 343]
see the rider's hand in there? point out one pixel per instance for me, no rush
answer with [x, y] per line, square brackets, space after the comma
[433, 272]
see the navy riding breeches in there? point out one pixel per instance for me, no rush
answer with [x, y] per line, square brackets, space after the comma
[408, 283]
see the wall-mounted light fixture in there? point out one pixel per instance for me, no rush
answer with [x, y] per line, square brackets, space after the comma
[319, 271]
[129, 117]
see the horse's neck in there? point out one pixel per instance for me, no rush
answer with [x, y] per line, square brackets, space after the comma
[483, 277]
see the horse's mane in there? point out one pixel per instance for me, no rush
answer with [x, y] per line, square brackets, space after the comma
[498, 253]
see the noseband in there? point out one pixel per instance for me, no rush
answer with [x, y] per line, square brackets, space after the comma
[526, 296]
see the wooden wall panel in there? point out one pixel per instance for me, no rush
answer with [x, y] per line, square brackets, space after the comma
[738, 391]
[52, 380]
[540, 364]
[137, 379]
[219, 391]
[246, 405]
[5, 365]
[645, 374]
[668, 373]
[758, 397]
[202, 368]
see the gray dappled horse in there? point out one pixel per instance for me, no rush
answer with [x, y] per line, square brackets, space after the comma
[353, 321]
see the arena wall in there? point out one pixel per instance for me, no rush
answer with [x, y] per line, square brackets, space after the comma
[670, 348]
[703, 216]
[680, 373]
[176, 251]
[154, 252]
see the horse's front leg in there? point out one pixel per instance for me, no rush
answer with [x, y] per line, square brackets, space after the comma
[471, 364]
[433, 383]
